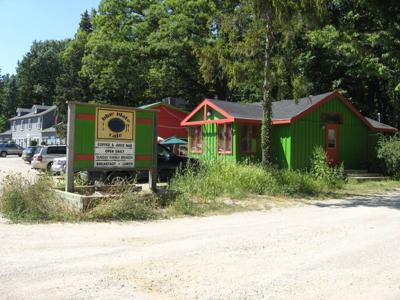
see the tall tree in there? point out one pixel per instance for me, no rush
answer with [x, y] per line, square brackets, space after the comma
[277, 16]
[71, 85]
[37, 72]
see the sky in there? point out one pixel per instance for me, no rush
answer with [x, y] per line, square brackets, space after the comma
[23, 21]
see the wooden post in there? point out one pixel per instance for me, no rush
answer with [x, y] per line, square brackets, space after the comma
[69, 186]
[153, 173]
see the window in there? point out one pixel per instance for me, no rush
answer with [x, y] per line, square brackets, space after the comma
[196, 139]
[331, 118]
[224, 136]
[331, 139]
[38, 125]
[248, 138]
[22, 125]
[29, 124]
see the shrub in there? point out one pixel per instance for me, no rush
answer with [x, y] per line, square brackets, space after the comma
[321, 170]
[129, 205]
[215, 179]
[23, 200]
[223, 178]
[389, 152]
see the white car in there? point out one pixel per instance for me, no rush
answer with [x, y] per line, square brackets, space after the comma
[44, 158]
[58, 166]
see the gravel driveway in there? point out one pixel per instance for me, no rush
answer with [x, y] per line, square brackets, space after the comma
[342, 249]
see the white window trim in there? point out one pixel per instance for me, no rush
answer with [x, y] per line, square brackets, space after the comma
[22, 125]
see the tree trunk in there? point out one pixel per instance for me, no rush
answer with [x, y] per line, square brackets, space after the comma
[266, 139]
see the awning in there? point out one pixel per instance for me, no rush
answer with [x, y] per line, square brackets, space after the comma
[173, 141]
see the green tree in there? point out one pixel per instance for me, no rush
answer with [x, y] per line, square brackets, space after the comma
[357, 52]
[37, 72]
[71, 85]
[278, 17]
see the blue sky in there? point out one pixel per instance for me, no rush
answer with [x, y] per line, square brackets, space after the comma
[23, 21]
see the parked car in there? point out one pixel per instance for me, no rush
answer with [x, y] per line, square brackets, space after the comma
[10, 149]
[28, 153]
[43, 159]
[58, 166]
[167, 164]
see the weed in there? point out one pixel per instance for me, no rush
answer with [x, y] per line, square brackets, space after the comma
[24, 201]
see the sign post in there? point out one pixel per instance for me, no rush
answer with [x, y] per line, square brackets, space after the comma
[109, 138]
[69, 186]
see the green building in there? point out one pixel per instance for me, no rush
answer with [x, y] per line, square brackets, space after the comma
[231, 131]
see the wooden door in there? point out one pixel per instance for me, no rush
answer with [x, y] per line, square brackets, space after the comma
[332, 143]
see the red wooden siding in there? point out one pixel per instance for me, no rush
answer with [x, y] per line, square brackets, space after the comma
[169, 122]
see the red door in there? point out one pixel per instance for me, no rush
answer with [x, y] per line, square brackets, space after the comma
[332, 143]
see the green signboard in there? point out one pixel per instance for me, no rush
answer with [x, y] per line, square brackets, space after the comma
[110, 138]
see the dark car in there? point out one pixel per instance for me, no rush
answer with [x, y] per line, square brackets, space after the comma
[167, 164]
[10, 149]
[29, 152]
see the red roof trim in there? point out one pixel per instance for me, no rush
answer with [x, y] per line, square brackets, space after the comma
[278, 122]
[207, 103]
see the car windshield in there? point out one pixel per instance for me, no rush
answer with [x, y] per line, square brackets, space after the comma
[163, 151]
[30, 150]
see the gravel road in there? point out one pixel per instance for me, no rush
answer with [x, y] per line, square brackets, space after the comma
[342, 249]
[14, 164]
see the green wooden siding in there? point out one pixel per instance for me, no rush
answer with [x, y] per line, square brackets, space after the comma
[308, 132]
[293, 144]
[210, 150]
[282, 145]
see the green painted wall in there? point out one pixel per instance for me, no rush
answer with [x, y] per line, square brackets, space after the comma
[309, 132]
[282, 145]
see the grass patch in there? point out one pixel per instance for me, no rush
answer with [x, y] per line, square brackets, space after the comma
[24, 201]
[210, 188]
[367, 187]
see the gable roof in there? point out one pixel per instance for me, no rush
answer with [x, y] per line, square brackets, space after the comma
[283, 112]
[33, 114]
[155, 104]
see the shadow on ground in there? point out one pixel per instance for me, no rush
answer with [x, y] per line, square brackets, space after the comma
[391, 200]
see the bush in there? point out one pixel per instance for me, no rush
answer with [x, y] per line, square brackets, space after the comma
[23, 200]
[214, 178]
[389, 152]
[129, 205]
[320, 169]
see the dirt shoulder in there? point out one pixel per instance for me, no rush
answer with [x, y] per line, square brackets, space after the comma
[336, 249]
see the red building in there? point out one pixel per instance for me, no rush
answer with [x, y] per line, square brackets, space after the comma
[169, 120]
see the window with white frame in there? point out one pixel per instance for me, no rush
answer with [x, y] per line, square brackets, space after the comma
[38, 125]
[22, 125]
[29, 124]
